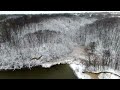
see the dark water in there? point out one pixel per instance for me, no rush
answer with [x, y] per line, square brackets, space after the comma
[55, 72]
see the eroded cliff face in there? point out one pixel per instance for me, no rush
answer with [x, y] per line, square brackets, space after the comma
[32, 40]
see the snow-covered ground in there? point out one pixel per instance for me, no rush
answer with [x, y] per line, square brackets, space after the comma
[79, 71]
[108, 76]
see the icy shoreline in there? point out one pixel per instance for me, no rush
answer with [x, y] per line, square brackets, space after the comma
[78, 69]
[80, 72]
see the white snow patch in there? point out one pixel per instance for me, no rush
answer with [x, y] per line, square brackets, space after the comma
[78, 70]
[108, 76]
